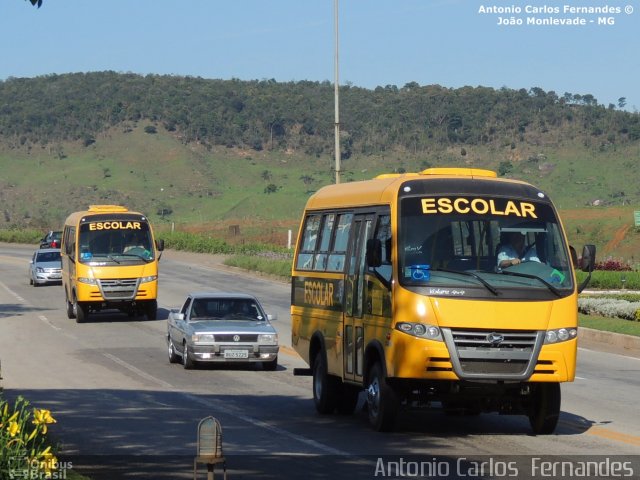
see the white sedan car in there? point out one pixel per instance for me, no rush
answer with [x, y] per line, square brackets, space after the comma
[45, 267]
[222, 327]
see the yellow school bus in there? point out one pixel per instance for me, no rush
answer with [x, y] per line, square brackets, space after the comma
[109, 261]
[397, 290]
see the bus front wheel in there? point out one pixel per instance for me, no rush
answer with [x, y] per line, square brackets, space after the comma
[70, 309]
[545, 408]
[151, 309]
[382, 401]
[81, 311]
[325, 386]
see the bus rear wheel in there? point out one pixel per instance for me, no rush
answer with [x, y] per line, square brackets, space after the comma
[382, 401]
[545, 408]
[326, 388]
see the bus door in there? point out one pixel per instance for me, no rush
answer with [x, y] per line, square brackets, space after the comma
[354, 298]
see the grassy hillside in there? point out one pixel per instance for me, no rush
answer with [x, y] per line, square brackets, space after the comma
[209, 189]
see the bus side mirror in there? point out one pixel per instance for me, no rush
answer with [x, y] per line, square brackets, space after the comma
[588, 258]
[374, 252]
[160, 245]
[587, 264]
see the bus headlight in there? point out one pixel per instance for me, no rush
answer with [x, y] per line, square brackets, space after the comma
[88, 281]
[148, 279]
[560, 335]
[421, 330]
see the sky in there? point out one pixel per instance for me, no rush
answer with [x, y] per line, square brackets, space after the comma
[452, 43]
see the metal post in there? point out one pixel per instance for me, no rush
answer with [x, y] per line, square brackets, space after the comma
[337, 108]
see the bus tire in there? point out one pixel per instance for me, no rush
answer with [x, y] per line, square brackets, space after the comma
[545, 408]
[81, 311]
[382, 401]
[70, 313]
[151, 310]
[326, 388]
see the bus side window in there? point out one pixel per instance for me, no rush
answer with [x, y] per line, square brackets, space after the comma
[339, 250]
[383, 233]
[308, 244]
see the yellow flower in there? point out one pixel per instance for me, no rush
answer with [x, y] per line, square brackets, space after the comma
[13, 429]
[42, 417]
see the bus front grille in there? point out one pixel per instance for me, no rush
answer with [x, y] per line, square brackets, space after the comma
[493, 354]
[119, 288]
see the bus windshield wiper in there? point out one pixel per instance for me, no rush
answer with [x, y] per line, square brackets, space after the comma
[541, 280]
[489, 287]
[112, 258]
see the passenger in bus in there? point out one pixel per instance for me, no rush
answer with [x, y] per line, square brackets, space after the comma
[513, 251]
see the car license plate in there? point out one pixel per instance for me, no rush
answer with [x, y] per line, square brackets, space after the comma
[236, 354]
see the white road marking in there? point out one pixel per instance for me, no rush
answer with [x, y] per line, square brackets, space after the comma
[14, 294]
[216, 406]
[259, 423]
[48, 322]
[137, 371]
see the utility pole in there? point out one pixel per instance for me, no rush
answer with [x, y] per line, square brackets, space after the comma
[337, 103]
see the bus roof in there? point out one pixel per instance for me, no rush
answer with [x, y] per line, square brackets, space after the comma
[75, 217]
[383, 188]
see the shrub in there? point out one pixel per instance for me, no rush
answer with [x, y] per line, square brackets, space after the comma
[610, 307]
[613, 265]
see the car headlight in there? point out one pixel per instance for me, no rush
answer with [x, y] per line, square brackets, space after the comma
[202, 338]
[268, 339]
[560, 335]
[39, 269]
[148, 279]
[88, 281]
[430, 332]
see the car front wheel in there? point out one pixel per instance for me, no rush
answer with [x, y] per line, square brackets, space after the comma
[173, 355]
[187, 362]
[271, 365]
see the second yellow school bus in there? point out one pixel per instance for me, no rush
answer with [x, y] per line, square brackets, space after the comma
[109, 261]
[397, 290]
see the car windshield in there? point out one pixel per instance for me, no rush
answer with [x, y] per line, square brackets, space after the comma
[470, 247]
[125, 241]
[226, 309]
[43, 257]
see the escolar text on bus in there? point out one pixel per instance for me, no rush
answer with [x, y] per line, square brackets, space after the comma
[479, 206]
[114, 226]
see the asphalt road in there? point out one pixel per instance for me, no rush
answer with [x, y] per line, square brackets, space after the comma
[124, 412]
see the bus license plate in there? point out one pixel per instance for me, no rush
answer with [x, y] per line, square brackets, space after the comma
[236, 354]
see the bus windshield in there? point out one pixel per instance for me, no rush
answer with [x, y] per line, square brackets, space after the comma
[486, 246]
[125, 242]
